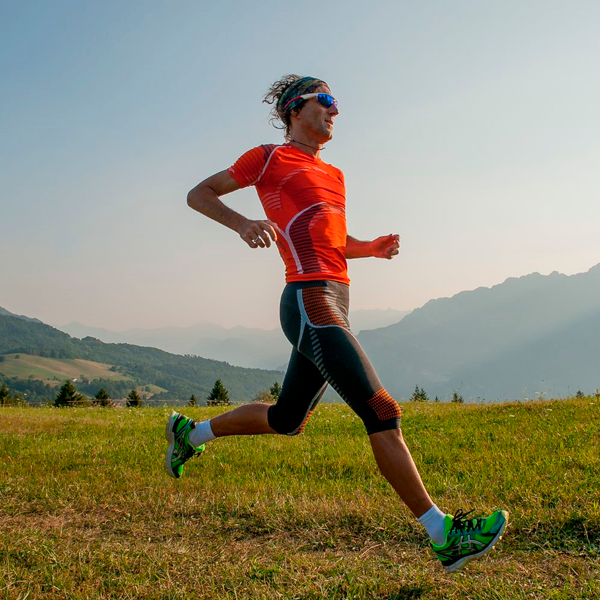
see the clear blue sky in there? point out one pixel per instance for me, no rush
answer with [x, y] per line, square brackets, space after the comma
[470, 128]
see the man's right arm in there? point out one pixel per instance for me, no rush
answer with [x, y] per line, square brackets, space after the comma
[205, 198]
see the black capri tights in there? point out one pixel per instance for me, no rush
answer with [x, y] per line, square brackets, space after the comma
[314, 317]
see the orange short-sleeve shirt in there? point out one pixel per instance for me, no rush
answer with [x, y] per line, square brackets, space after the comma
[306, 198]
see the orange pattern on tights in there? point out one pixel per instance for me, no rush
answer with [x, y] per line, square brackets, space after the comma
[318, 309]
[301, 428]
[384, 405]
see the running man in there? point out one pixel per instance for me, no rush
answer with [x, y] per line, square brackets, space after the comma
[304, 201]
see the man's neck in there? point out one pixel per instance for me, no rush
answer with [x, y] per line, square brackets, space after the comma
[307, 145]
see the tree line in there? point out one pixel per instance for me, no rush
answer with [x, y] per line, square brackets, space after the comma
[420, 395]
[69, 396]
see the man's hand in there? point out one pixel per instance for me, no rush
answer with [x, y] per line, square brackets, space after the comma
[386, 246]
[258, 234]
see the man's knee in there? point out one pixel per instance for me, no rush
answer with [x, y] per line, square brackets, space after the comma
[284, 423]
[384, 415]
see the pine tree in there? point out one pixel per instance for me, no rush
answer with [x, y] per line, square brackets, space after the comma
[275, 391]
[4, 395]
[419, 395]
[192, 401]
[69, 396]
[457, 398]
[102, 398]
[219, 394]
[133, 399]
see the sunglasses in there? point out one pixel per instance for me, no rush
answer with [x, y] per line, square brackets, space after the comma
[326, 100]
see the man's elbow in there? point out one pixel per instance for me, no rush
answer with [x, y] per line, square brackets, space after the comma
[194, 198]
[190, 199]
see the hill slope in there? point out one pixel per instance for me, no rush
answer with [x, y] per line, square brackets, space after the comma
[7, 313]
[53, 371]
[180, 375]
[530, 334]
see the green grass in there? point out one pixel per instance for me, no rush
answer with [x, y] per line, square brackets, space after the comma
[86, 510]
[54, 371]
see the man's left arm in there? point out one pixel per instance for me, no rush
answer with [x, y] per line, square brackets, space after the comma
[386, 246]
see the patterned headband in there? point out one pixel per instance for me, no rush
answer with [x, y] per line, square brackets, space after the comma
[306, 85]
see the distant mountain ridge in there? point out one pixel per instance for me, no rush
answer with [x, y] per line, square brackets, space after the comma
[531, 336]
[507, 341]
[7, 313]
[242, 346]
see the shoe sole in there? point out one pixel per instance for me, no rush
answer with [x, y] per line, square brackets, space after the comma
[463, 561]
[171, 439]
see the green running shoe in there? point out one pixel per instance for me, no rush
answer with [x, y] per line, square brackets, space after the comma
[179, 450]
[467, 539]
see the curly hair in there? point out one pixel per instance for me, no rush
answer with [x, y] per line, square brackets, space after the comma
[280, 118]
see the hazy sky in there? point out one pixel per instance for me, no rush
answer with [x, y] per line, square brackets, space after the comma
[469, 127]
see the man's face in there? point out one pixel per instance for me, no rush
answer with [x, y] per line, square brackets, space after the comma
[316, 120]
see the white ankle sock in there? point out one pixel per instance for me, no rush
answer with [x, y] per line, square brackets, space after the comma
[433, 521]
[201, 434]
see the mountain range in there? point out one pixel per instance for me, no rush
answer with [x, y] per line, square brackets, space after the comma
[528, 337]
[532, 336]
[241, 346]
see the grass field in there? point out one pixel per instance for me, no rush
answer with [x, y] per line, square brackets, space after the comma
[54, 371]
[86, 510]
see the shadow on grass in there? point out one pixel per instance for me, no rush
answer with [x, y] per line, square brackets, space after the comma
[407, 593]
